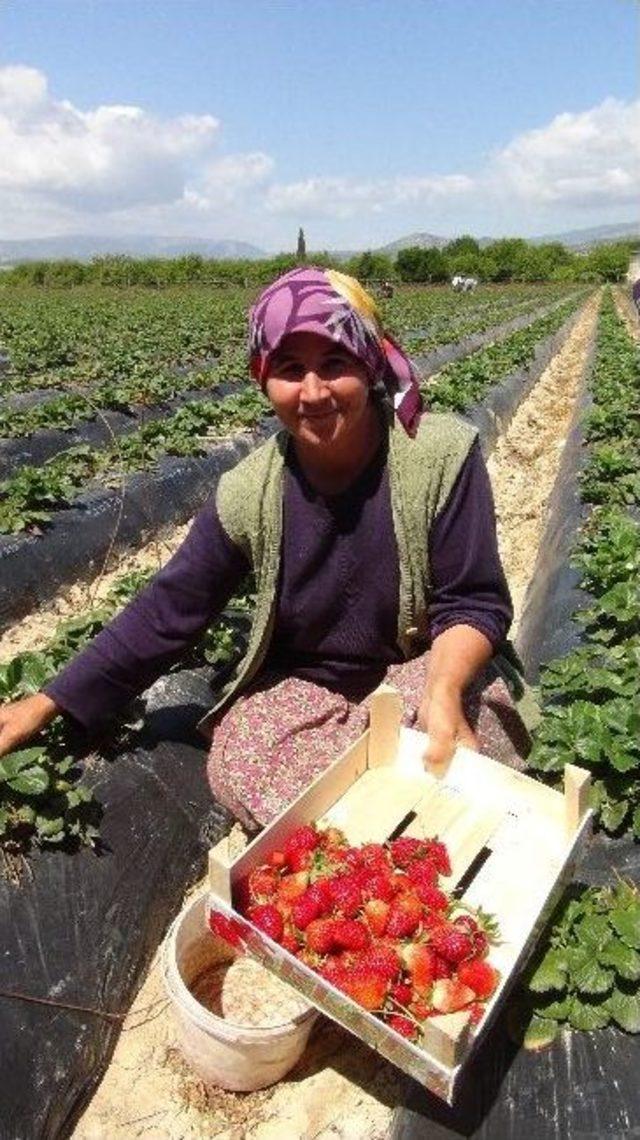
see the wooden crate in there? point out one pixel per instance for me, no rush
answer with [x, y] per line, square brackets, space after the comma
[514, 840]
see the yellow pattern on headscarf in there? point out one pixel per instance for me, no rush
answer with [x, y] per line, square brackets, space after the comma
[357, 297]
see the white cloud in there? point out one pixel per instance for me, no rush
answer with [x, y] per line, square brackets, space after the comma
[346, 197]
[583, 159]
[62, 162]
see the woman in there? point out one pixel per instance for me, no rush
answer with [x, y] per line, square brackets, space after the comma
[371, 532]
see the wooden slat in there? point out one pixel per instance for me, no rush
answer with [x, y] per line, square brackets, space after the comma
[385, 716]
[220, 870]
[372, 809]
[446, 1037]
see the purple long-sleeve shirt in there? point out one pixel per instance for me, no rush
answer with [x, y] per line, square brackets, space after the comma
[337, 599]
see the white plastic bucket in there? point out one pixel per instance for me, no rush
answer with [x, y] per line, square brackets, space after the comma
[237, 1057]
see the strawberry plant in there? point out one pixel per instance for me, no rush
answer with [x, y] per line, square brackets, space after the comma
[588, 974]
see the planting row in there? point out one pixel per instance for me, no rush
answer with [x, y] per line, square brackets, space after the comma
[90, 336]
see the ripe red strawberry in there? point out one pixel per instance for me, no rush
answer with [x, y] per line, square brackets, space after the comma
[403, 1025]
[376, 913]
[419, 960]
[385, 960]
[439, 856]
[441, 968]
[432, 897]
[401, 993]
[306, 908]
[346, 895]
[405, 849]
[290, 942]
[319, 935]
[365, 986]
[277, 859]
[404, 916]
[423, 872]
[480, 976]
[268, 919]
[451, 943]
[263, 884]
[480, 941]
[379, 885]
[225, 928]
[299, 846]
[450, 995]
[348, 934]
[291, 887]
[374, 857]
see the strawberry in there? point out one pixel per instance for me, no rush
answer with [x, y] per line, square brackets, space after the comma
[379, 885]
[313, 903]
[268, 919]
[299, 847]
[419, 960]
[450, 995]
[346, 895]
[441, 968]
[263, 884]
[404, 916]
[403, 1025]
[401, 993]
[291, 887]
[423, 872]
[319, 935]
[376, 913]
[225, 928]
[290, 942]
[439, 856]
[278, 859]
[375, 859]
[452, 943]
[479, 938]
[348, 934]
[365, 986]
[480, 976]
[385, 960]
[405, 849]
[432, 897]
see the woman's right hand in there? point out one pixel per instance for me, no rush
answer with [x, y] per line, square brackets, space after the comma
[20, 720]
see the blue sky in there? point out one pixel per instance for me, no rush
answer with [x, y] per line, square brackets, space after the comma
[361, 121]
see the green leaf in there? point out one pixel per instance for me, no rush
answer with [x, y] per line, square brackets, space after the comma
[589, 1015]
[623, 958]
[557, 1010]
[636, 823]
[613, 814]
[593, 930]
[626, 923]
[15, 762]
[625, 1010]
[551, 974]
[540, 1033]
[31, 782]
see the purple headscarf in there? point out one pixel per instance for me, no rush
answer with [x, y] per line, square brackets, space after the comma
[335, 306]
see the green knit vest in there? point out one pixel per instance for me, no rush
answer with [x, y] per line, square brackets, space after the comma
[422, 472]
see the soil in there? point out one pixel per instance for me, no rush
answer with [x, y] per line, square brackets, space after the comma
[340, 1089]
[33, 632]
[525, 461]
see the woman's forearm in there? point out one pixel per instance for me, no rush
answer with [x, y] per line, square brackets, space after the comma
[457, 656]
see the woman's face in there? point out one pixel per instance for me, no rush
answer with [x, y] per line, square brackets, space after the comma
[319, 390]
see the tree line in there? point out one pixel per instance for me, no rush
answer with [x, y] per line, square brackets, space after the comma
[505, 260]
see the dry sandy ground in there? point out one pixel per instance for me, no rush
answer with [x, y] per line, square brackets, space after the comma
[524, 463]
[341, 1089]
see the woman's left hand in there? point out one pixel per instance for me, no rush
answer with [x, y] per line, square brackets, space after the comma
[441, 715]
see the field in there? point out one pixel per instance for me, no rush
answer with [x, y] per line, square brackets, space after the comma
[120, 408]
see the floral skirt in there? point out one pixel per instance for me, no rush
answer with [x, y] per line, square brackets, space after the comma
[282, 732]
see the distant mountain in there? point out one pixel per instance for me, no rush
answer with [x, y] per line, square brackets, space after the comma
[574, 239]
[82, 247]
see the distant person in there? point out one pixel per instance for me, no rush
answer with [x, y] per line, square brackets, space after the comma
[370, 528]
